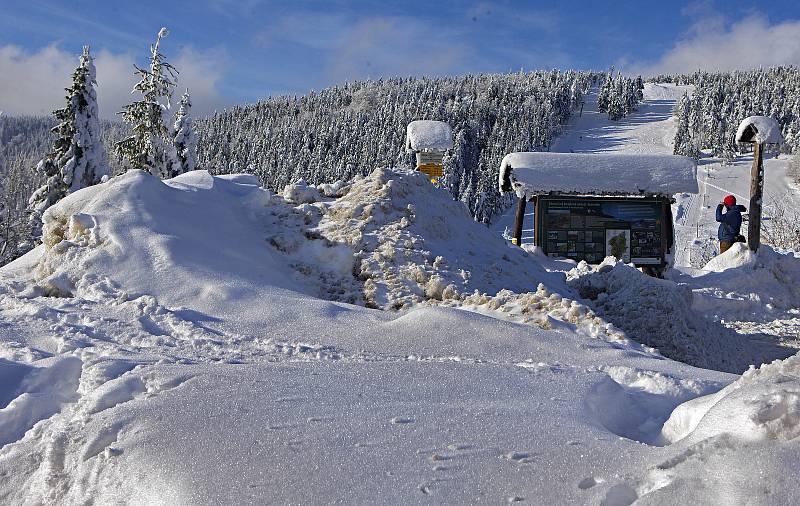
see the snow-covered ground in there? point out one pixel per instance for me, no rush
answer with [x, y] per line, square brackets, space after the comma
[202, 341]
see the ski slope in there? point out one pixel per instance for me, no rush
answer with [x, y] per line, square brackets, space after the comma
[204, 341]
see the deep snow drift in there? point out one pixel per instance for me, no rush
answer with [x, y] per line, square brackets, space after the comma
[202, 341]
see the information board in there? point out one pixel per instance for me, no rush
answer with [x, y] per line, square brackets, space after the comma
[592, 228]
[430, 162]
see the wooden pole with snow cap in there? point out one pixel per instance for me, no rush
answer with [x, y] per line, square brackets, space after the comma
[759, 131]
[429, 140]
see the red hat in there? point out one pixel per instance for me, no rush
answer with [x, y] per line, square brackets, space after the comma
[729, 201]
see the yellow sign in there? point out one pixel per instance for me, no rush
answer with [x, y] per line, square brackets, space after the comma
[432, 170]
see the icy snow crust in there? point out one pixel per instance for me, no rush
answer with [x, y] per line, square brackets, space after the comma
[202, 341]
[428, 135]
[597, 173]
[767, 130]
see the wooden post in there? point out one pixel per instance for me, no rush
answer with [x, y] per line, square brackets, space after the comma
[518, 220]
[756, 193]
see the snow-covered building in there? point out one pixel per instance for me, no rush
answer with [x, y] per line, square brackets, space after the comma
[590, 206]
[429, 140]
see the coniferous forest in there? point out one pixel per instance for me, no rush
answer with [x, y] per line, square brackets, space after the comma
[351, 129]
[709, 116]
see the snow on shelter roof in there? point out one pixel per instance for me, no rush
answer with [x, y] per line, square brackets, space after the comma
[597, 174]
[759, 129]
[428, 134]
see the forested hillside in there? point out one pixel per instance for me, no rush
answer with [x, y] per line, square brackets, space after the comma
[708, 119]
[353, 128]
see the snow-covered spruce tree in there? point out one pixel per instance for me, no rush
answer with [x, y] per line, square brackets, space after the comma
[78, 158]
[606, 90]
[150, 146]
[616, 105]
[185, 139]
[684, 143]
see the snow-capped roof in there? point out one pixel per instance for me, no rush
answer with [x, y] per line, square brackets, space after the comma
[759, 129]
[597, 173]
[428, 134]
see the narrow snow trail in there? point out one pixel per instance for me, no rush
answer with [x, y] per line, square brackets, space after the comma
[648, 130]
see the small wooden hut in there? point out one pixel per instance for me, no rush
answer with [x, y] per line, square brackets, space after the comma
[589, 206]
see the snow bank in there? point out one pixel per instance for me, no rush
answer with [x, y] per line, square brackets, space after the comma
[759, 129]
[722, 442]
[30, 393]
[740, 285]
[581, 173]
[763, 405]
[428, 135]
[188, 241]
[659, 313]
[737, 256]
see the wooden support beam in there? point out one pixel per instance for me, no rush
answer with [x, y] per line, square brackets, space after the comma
[756, 195]
[518, 221]
[536, 239]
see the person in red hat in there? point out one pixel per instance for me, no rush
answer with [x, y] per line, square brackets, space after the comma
[730, 222]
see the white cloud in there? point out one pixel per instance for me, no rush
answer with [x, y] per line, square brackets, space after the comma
[351, 48]
[712, 44]
[386, 46]
[34, 82]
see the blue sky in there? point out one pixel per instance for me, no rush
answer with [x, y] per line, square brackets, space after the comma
[239, 51]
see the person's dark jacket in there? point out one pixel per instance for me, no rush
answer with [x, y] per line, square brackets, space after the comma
[730, 222]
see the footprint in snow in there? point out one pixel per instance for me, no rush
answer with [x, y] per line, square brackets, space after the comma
[519, 457]
[591, 481]
[459, 447]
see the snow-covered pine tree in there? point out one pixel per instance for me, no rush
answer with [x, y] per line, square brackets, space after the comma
[185, 139]
[150, 146]
[78, 158]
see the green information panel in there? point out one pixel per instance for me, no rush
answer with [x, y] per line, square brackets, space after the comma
[589, 228]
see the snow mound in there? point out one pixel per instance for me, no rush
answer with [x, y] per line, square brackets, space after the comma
[139, 235]
[428, 135]
[536, 173]
[301, 193]
[740, 285]
[759, 129]
[764, 404]
[737, 256]
[658, 313]
[666, 91]
[413, 243]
